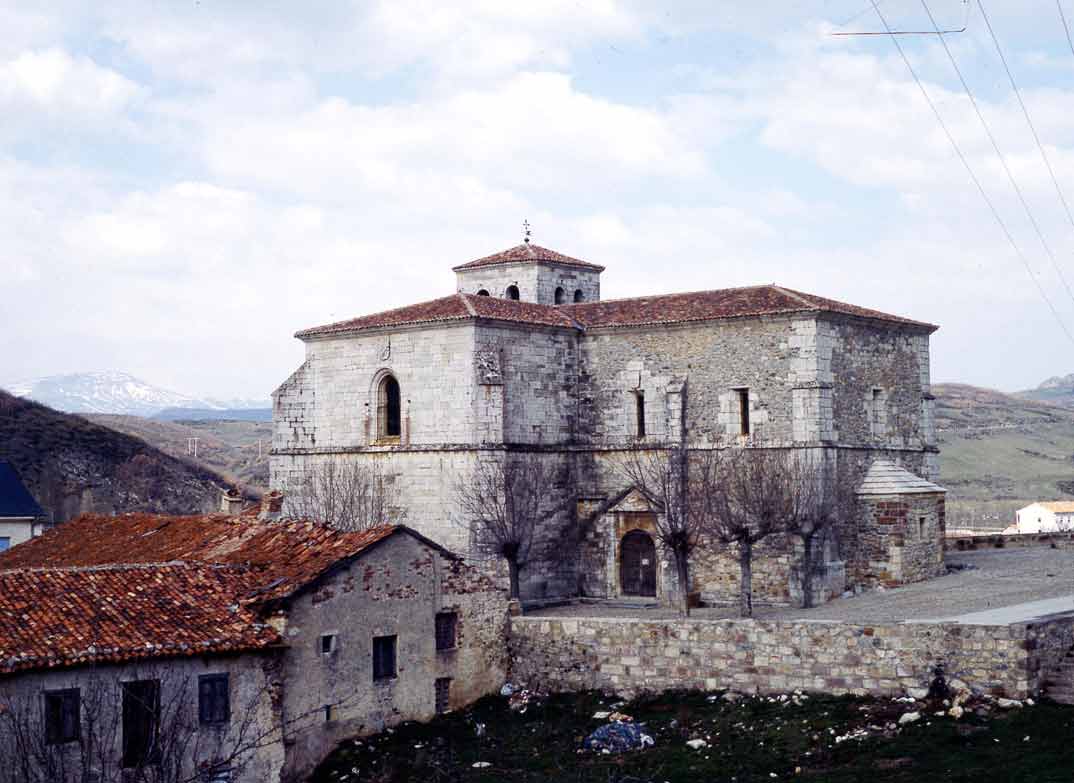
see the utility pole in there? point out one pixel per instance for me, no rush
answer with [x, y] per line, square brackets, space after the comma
[192, 446]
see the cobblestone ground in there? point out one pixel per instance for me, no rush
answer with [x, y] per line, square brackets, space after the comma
[987, 579]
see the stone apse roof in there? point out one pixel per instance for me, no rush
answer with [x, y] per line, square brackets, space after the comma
[108, 589]
[15, 499]
[886, 478]
[697, 306]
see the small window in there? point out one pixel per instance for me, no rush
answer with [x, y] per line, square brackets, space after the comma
[446, 624]
[512, 292]
[639, 412]
[5, 543]
[921, 527]
[743, 396]
[561, 295]
[388, 408]
[578, 295]
[443, 694]
[329, 713]
[328, 643]
[384, 657]
[62, 723]
[876, 412]
[141, 723]
[482, 292]
[214, 699]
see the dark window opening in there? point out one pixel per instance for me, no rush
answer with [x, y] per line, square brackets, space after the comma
[443, 694]
[389, 408]
[383, 657]
[482, 292]
[561, 296]
[446, 624]
[214, 698]
[328, 643]
[743, 411]
[578, 295]
[141, 723]
[920, 527]
[639, 411]
[512, 292]
[877, 410]
[62, 723]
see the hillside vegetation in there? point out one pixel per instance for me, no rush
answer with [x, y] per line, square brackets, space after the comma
[72, 465]
[1000, 452]
[229, 448]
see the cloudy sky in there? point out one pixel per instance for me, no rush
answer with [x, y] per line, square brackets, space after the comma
[183, 185]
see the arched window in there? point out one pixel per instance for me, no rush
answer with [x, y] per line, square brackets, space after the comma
[561, 295]
[512, 292]
[482, 292]
[388, 408]
[578, 295]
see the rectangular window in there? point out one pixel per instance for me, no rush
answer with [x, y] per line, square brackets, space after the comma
[921, 527]
[62, 722]
[383, 657]
[329, 713]
[639, 412]
[876, 412]
[214, 699]
[141, 723]
[328, 643]
[5, 543]
[443, 694]
[446, 623]
[743, 411]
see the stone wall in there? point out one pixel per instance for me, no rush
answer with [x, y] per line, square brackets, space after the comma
[629, 655]
[961, 543]
[536, 282]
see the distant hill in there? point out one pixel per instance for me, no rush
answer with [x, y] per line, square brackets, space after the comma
[117, 392]
[999, 452]
[204, 414]
[1058, 390]
[227, 447]
[72, 465]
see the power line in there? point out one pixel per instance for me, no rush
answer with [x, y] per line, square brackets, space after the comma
[1066, 27]
[1002, 160]
[1033, 130]
[976, 180]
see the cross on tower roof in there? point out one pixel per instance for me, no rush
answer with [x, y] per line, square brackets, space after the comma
[526, 231]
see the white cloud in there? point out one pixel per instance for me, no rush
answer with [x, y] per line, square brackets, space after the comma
[53, 81]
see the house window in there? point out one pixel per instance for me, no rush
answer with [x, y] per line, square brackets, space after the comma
[141, 723]
[578, 295]
[328, 643]
[443, 694]
[512, 292]
[383, 657]
[446, 623]
[639, 412]
[743, 397]
[214, 699]
[388, 408]
[561, 295]
[483, 292]
[329, 713]
[5, 543]
[921, 527]
[876, 412]
[62, 722]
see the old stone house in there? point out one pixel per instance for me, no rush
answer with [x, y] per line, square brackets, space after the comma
[21, 518]
[240, 648]
[526, 357]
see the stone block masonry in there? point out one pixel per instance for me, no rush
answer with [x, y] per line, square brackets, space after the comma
[629, 656]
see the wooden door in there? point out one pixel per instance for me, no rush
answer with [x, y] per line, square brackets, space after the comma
[637, 564]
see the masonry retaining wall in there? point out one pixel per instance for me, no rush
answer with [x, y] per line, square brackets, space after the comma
[629, 656]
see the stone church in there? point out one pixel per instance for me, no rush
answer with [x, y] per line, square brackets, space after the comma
[526, 356]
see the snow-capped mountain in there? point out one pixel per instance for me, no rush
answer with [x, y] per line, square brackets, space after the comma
[115, 392]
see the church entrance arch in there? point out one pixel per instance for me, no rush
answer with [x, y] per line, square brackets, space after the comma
[637, 564]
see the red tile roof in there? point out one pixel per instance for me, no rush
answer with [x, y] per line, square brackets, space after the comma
[146, 585]
[66, 617]
[638, 311]
[527, 253]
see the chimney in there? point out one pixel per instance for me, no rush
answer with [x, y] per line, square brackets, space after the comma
[271, 506]
[231, 502]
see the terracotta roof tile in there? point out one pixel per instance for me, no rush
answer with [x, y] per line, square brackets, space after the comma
[527, 253]
[637, 311]
[66, 617]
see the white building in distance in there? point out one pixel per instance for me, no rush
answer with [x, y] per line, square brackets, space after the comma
[1044, 518]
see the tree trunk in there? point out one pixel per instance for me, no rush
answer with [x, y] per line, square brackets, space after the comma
[512, 570]
[807, 572]
[745, 565]
[682, 567]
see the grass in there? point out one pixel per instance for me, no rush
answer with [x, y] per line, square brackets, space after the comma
[754, 739]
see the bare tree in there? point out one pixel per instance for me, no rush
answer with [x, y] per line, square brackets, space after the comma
[824, 500]
[758, 495]
[346, 495]
[505, 500]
